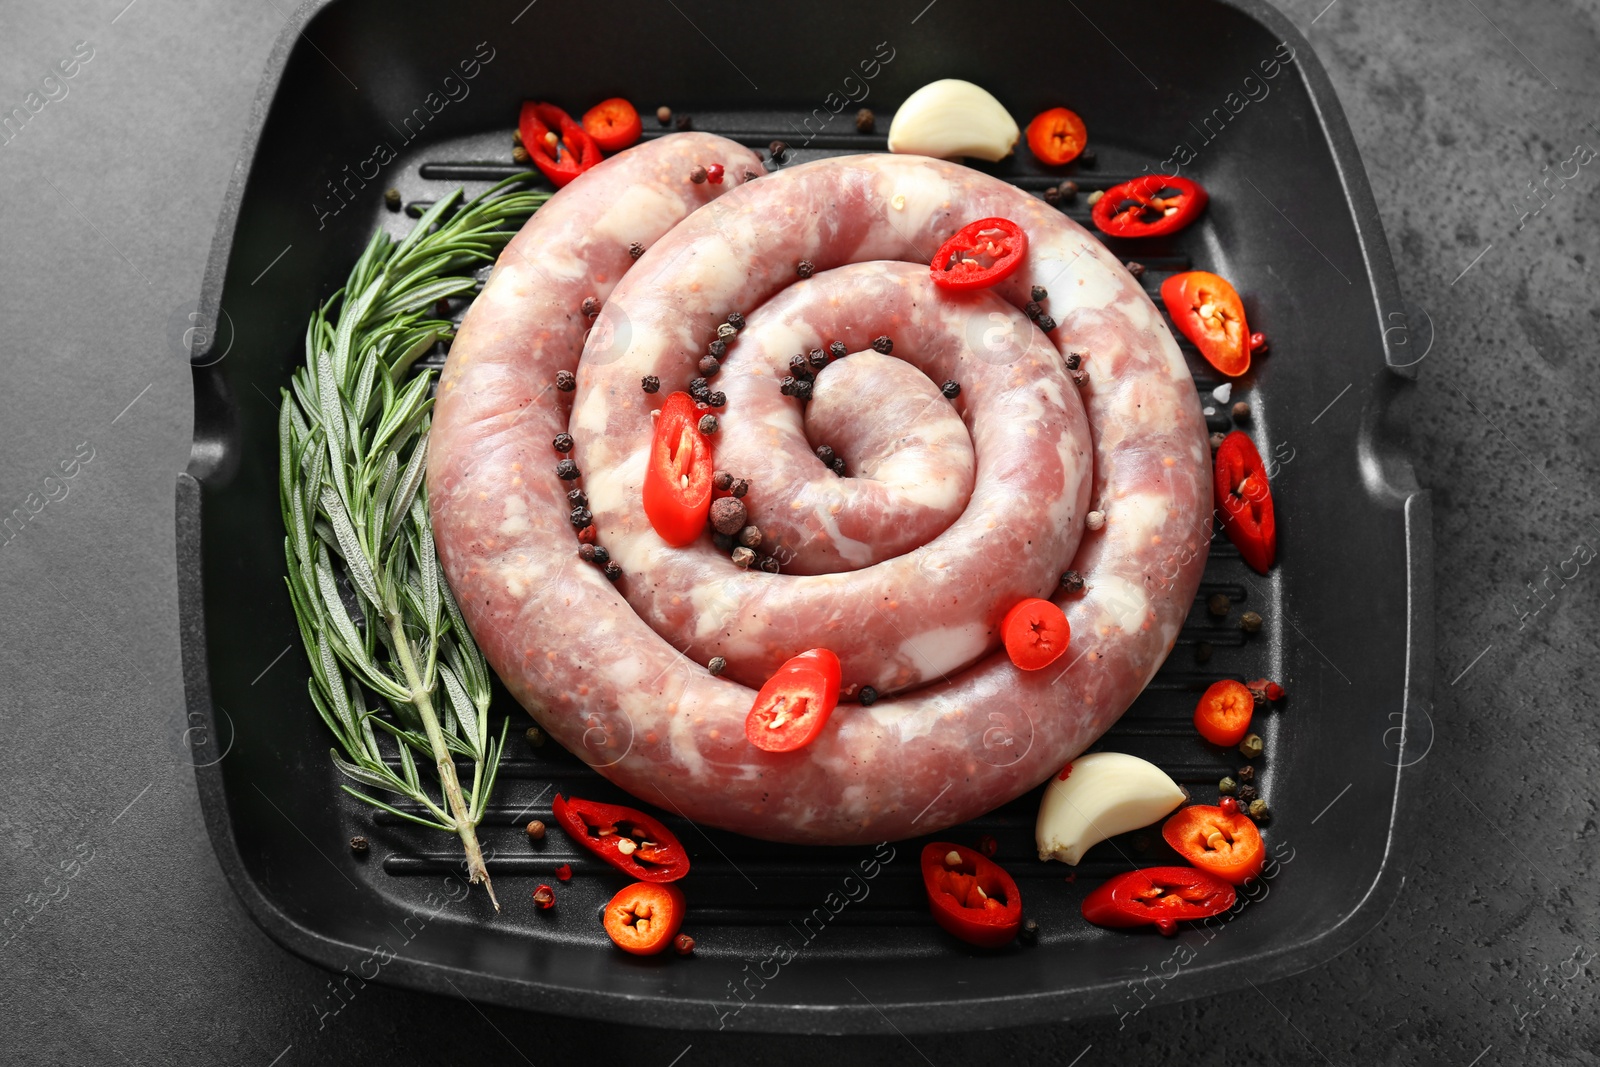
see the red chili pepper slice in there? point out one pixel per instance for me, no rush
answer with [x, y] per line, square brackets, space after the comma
[1239, 482]
[1151, 205]
[1036, 633]
[1226, 844]
[1057, 136]
[614, 124]
[1223, 714]
[677, 482]
[794, 705]
[1209, 312]
[973, 898]
[572, 152]
[644, 918]
[979, 255]
[1159, 897]
[651, 852]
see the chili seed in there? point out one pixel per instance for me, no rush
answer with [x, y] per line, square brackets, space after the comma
[1241, 411]
[566, 470]
[635, 250]
[1247, 793]
[1136, 269]
[591, 306]
[358, 844]
[1216, 440]
[614, 570]
[717, 398]
[1094, 197]
[566, 381]
[1202, 651]
[577, 498]
[721, 480]
[1087, 157]
[802, 390]
[535, 830]
[650, 383]
[717, 665]
[1247, 773]
[562, 443]
[740, 487]
[882, 345]
[750, 537]
[867, 695]
[818, 358]
[778, 150]
[805, 268]
[950, 389]
[865, 120]
[825, 454]
[519, 154]
[601, 556]
[838, 350]
[1033, 310]
[685, 122]
[698, 175]
[1030, 932]
[708, 423]
[683, 945]
[1219, 604]
[736, 320]
[708, 366]
[728, 515]
[1227, 786]
[1250, 622]
[769, 564]
[743, 557]
[545, 897]
[1046, 323]
[1252, 747]
[663, 114]
[534, 736]
[1072, 582]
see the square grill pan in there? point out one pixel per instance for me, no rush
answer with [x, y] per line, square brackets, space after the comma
[1347, 610]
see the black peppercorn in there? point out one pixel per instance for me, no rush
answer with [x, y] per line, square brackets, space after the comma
[1072, 582]
[1045, 323]
[786, 387]
[838, 465]
[1074, 360]
[391, 199]
[685, 122]
[1136, 269]
[951, 390]
[708, 423]
[825, 454]
[740, 487]
[736, 320]
[614, 570]
[358, 844]
[800, 367]
[1032, 310]
[698, 388]
[708, 366]
[1246, 774]
[1247, 793]
[650, 383]
[1087, 157]
[581, 517]
[577, 498]
[562, 443]
[867, 696]
[721, 541]
[838, 350]
[1202, 651]
[1080, 379]
[698, 175]
[1216, 440]
[717, 665]
[1216, 421]
[1030, 932]
[1219, 604]
[1052, 195]
[721, 480]
[865, 120]
[1039, 293]
[591, 306]
[805, 268]
[778, 150]
[1250, 622]
[750, 537]
[769, 564]
[717, 349]
[566, 381]
[1068, 189]
[601, 556]
[586, 552]
[566, 470]
[803, 390]
[882, 345]
[635, 250]
[817, 358]
[717, 399]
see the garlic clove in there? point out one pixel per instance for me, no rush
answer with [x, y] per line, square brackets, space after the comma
[1104, 794]
[950, 118]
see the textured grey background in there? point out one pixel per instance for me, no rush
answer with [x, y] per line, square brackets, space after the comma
[108, 202]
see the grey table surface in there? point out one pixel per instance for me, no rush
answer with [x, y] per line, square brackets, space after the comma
[108, 202]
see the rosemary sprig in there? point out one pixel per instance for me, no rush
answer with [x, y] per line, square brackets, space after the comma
[375, 613]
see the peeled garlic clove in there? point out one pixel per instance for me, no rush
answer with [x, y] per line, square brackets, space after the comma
[950, 118]
[1103, 794]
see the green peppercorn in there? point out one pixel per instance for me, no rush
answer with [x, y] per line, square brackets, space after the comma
[1251, 747]
[391, 199]
[1219, 604]
[1259, 810]
[1202, 651]
[534, 736]
[1227, 786]
[1250, 622]
[1030, 932]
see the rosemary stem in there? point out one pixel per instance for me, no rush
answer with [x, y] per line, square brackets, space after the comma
[476, 869]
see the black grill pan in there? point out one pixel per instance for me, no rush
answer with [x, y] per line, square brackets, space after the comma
[1291, 223]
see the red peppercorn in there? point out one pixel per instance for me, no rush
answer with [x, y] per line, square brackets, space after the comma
[714, 174]
[545, 897]
[564, 872]
[587, 535]
[1229, 806]
[988, 845]
[683, 944]
[1258, 344]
